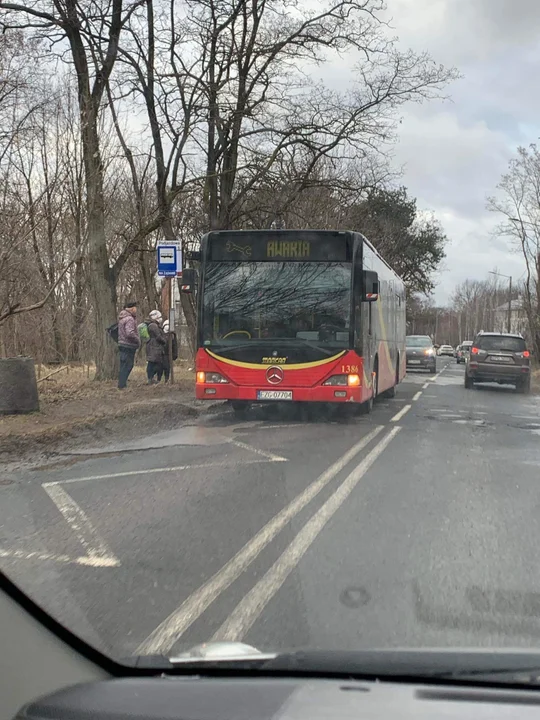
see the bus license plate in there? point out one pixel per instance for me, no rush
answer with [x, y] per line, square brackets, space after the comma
[274, 394]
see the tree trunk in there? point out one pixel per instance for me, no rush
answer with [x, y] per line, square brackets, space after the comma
[149, 284]
[101, 279]
[188, 307]
[57, 335]
[78, 315]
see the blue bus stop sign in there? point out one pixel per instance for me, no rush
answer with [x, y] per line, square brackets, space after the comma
[167, 260]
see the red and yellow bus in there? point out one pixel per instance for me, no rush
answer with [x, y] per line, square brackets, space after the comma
[297, 315]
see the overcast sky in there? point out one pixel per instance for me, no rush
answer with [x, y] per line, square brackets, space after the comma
[454, 153]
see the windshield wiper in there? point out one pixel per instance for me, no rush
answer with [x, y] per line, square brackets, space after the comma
[312, 344]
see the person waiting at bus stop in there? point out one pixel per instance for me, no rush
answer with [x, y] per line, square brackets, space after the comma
[128, 342]
[166, 366]
[155, 347]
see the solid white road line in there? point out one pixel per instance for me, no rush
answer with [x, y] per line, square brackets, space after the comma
[42, 556]
[175, 468]
[263, 453]
[169, 631]
[252, 605]
[78, 521]
[401, 413]
[417, 395]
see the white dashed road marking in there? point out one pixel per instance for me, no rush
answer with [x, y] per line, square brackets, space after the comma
[417, 396]
[401, 413]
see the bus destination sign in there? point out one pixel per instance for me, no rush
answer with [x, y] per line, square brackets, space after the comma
[261, 246]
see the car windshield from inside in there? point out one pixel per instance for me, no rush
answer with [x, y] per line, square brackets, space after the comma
[418, 341]
[507, 343]
[231, 405]
[306, 302]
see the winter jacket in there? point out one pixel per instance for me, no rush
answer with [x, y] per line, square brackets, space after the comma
[166, 363]
[155, 347]
[128, 334]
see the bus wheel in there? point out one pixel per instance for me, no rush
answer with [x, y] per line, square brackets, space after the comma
[366, 407]
[375, 379]
[240, 407]
[391, 392]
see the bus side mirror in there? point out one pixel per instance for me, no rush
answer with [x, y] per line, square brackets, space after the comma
[189, 280]
[371, 286]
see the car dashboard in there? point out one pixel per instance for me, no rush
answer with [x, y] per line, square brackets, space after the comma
[266, 698]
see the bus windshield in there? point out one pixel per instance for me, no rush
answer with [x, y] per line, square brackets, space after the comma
[248, 301]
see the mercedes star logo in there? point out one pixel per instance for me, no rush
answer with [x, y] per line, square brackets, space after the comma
[274, 375]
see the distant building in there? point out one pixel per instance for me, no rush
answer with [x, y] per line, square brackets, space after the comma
[519, 322]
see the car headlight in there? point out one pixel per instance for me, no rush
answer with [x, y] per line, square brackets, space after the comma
[429, 351]
[210, 377]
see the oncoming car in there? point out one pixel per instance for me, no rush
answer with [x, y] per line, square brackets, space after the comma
[420, 352]
[499, 357]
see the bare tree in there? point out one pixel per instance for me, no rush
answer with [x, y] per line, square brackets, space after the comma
[92, 32]
[518, 201]
[249, 60]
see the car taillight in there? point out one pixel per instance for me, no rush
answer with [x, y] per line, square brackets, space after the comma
[474, 350]
[526, 354]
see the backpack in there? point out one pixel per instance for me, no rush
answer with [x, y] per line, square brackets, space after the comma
[143, 332]
[112, 332]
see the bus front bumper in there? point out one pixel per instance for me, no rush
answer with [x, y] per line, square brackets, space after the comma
[321, 393]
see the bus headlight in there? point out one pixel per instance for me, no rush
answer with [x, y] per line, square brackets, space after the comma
[350, 380]
[210, 377]
[336, 380]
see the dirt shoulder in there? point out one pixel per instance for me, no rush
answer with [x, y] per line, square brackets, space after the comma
[75, 410]
[535, 381]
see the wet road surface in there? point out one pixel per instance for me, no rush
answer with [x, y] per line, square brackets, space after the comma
[417, 525]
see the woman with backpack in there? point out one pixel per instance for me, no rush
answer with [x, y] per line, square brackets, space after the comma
[155, 347]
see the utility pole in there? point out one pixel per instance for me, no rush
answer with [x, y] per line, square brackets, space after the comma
[171, 329]
[510, 305]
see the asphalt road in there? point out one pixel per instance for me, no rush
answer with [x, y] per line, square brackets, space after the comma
[418, 525]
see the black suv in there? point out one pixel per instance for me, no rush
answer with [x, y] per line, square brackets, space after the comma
[421, 353]
[499, 357]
